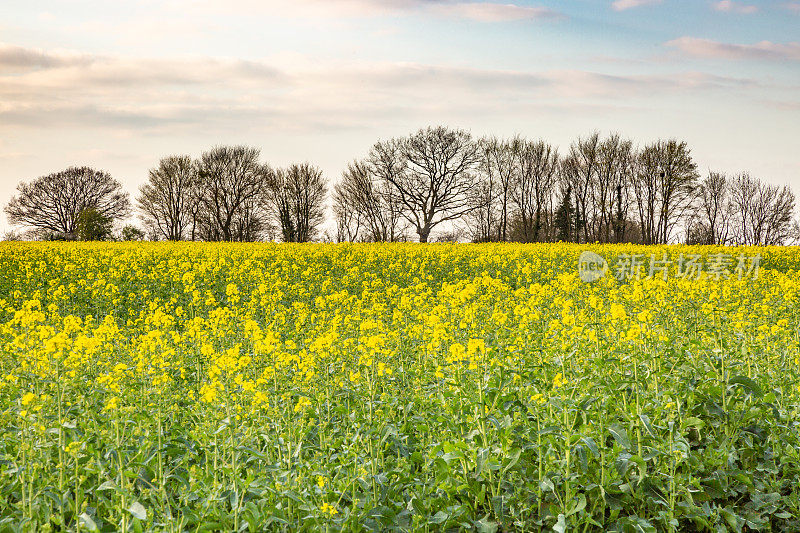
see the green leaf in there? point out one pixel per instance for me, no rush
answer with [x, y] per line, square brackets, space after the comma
[578, 506]
[731, 519]
[138, 510]
[87, 522]
[438, 518]
[693, 421]
[561, 525]
[107, 485]
[453, 456]
[487, 526]
[511, 460]
[623, 463]
[644, 526]
[647, 425]
[592, 445]
[620, 435]
[748, 384]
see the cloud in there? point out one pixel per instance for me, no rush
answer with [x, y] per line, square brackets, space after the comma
[792, 6]
[298, 106]
[56, 68]
[622, 5]
[784, 105]
[454, 9]
[489, 12]
[119, 94]
[17, 57]
[764, 50]
[729, 6]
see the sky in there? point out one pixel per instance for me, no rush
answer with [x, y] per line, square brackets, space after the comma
[118, 85]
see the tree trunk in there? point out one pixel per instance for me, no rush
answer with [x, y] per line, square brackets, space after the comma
[423, 234]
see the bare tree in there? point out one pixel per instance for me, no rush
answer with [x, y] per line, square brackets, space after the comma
[677, 185]
[252, 223]
[664, 187]
[364, 205]
[645, 189]
[599, 173]
[481, 223]
[165, 201]
[794, 233]
[296, 198]
[713, 214]
[534, 185]
[12, 236]
[230, 184]
[579, 169]
[744, 191]
[53, 203]
[762, 213]
[435, 180]
[498, 166]
[349, 218]
[610, 198]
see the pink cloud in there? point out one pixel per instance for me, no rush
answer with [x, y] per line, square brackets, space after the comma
[469, 10]
[729, 6]
[622, 5]
[490, 12]
[707, 48]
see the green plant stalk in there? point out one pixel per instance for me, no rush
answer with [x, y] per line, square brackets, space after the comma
[121, 483]
[567, 457]
[672, 468]
[602, 469]
[77, 496]
[23, 484]
[539, 461]
[638, 420]
[232, 463]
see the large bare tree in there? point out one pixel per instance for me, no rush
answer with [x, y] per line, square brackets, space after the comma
[52, 203]
[296, 199]
[435, 176]
[230, 184]
[167, 201]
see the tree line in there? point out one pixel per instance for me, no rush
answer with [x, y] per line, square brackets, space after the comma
[436, 180]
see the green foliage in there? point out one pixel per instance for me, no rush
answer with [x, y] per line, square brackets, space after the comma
[132, 233]
[91, 225]
[564, 217]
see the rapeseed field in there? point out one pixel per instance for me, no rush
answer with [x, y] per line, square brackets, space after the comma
[398, 387]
